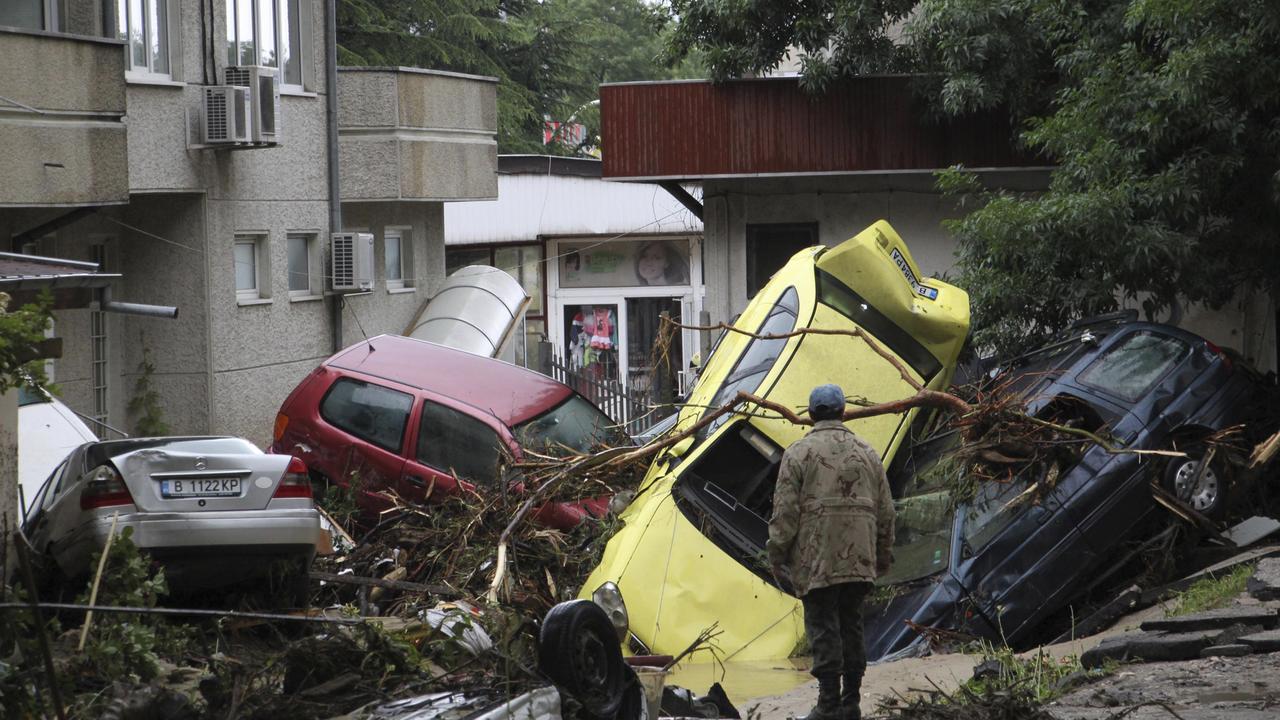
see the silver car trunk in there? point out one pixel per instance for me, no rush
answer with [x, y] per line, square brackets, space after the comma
[201, 475]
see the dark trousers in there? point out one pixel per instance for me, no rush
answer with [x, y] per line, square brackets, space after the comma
[833, 620]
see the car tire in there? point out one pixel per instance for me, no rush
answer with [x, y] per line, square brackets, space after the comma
[578, 650]
[1209, 496]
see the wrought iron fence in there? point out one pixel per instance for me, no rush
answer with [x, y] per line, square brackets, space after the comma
[635, 410]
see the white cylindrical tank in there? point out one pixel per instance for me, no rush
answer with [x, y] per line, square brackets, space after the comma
[476, 310]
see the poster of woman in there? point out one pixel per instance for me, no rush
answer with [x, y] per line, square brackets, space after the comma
[659, 263]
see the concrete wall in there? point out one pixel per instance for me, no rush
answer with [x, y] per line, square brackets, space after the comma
[842, 207]
[385, 310]
[841, 210]
[71, 149]
[436, 141]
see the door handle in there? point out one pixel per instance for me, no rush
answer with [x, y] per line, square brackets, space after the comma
[415, 481]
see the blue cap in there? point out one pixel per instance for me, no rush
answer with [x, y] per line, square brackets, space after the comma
[829, 397]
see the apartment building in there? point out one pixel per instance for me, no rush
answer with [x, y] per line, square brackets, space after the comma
[184, 144]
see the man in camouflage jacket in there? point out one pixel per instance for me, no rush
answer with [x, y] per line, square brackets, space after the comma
[831, 534]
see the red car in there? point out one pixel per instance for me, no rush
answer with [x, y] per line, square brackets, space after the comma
[395, 413]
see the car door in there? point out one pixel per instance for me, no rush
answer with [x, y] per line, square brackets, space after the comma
[374, 420]
[452, 444]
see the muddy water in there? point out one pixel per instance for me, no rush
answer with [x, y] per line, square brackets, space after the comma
[743, 681]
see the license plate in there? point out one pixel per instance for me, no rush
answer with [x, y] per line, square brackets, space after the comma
[201, 487]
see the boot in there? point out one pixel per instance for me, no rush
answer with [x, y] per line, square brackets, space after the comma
[851, 698]
[828, 707]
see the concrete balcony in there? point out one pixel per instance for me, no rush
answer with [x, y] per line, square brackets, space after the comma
[410, 134]
[62, 106]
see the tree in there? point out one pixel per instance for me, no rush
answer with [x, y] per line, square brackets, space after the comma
[1162, 118]
[21, 334]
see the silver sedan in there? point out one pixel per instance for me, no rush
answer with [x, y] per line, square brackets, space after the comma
[214, 510]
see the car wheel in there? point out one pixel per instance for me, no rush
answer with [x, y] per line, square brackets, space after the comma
[578, 650]
[1205, 492]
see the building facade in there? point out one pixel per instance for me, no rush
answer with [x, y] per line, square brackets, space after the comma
[781, 170]
[602, 262]
[105, 148]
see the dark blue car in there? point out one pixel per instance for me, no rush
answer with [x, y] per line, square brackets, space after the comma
[1000, 571]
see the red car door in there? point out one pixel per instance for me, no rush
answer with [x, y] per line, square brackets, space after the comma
[369, 424]
[452, 444]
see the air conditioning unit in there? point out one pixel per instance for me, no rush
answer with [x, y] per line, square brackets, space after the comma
[226, 115]
[351, 261]
[264, 95]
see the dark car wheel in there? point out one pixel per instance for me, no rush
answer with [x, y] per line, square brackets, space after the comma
[578, 649]
[1206, 494]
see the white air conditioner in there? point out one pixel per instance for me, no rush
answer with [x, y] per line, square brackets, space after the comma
[351, 261]
[264, 95]
[225, 115]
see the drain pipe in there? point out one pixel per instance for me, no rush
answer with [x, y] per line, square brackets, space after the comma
[336, 300]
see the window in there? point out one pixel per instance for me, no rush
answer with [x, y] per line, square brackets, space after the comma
[574, 424]
[29, 14]
[758, 358]
[769, 247]
[842, 299]
[370, 412]
[270, 33]
[302, 264]
[456, 443]
[251, 269]
[145, 26]
[522, 262]
[1135, 364]
[393, 258]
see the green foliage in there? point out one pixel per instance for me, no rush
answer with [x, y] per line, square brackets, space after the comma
[1038, 675]
[20, 330]
[145, 403]
[124, 646]
[549, 56]
[1213, 591]
[1161, 117]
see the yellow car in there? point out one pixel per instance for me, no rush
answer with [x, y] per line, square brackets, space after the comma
[691, 552]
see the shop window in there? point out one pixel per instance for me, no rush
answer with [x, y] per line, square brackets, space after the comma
[629, 263]
[769, 247]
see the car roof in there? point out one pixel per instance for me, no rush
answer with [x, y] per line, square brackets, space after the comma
[512, 393]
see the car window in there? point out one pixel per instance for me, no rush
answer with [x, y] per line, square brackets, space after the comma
[990, 512]
[454, 442]
[30, 396]
[370, 412]
[922, 477]
[1135, 364]
[842, 299]
[45, 495]
[575, 424]
[758, 357]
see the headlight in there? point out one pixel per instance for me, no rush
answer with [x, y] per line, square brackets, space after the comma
[609, 598]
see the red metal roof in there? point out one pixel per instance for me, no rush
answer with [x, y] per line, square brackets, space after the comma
[769, 126]
[512, 393]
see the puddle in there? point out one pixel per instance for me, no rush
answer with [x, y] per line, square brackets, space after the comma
[743, 681]
[1230, 697]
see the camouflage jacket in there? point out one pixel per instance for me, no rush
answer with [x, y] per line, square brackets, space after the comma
[832, 511]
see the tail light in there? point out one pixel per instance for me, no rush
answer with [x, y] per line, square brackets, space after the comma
[296, 482]
[1226, 359]
[282, 422]
[105, 489]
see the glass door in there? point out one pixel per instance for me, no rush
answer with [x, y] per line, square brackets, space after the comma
[655, 355]
[591, 341]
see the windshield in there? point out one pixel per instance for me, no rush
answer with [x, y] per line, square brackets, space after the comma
[757, 358]
[30, 396]
[925, 514]
[575, 424]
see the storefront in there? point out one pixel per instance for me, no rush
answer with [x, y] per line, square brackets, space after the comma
[606, 300]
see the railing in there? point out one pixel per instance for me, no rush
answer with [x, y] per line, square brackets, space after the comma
[634, 410]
